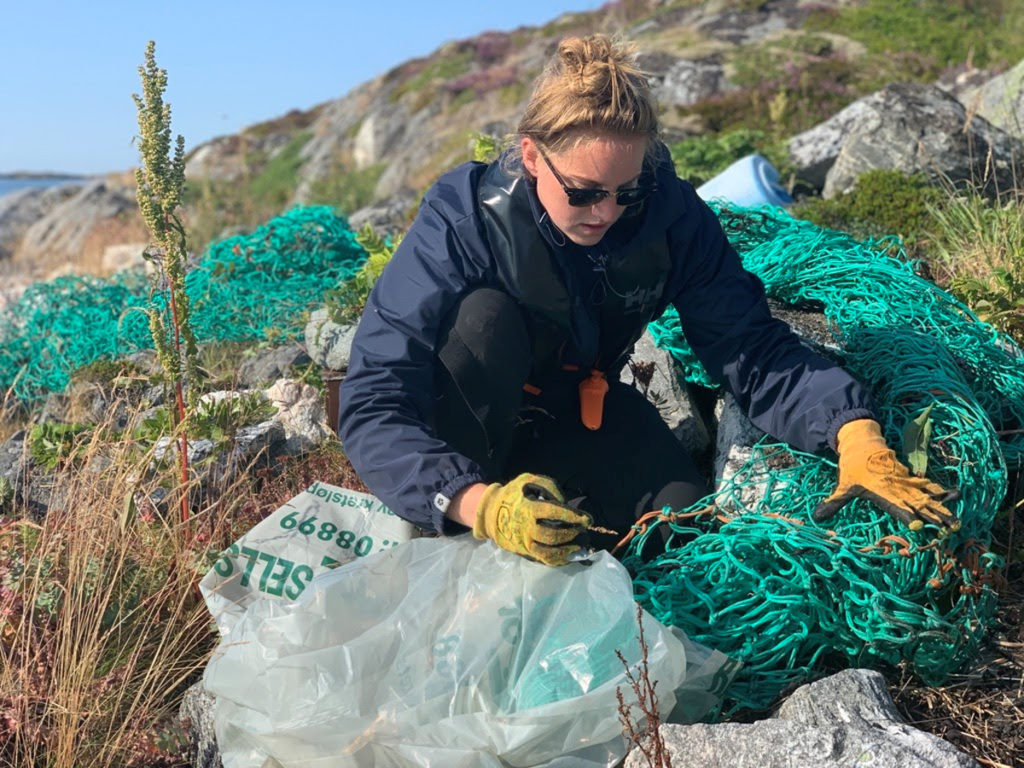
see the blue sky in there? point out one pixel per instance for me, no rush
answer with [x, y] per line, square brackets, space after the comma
[68, 69]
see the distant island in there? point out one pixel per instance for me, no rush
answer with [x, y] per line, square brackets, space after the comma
[23, 175]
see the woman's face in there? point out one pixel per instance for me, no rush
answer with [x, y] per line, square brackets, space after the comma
[599, 161]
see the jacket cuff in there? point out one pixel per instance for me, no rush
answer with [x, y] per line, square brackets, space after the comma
[842, 419]
[439, 504]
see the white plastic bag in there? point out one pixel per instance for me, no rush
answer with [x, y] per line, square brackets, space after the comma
[321, 528]
[443, 653]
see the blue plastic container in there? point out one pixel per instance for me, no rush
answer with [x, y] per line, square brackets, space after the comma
[747, 182]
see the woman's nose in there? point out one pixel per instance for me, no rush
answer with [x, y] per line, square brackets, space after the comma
[607, 207]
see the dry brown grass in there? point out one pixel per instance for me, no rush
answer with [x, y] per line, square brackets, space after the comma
[101, 626]
[981, 708]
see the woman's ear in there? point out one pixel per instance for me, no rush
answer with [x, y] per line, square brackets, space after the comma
[530, 155]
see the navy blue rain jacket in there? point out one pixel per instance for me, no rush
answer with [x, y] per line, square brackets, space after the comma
[386, 397]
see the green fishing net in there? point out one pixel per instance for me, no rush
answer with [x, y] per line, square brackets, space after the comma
[243, 288]
[747, 571]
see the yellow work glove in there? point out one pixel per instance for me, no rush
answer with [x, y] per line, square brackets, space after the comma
[870, 470]
[528, 516]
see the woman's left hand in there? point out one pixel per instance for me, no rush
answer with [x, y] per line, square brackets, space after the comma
[869, 469]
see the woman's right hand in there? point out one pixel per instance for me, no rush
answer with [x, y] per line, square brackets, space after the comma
[528, 516]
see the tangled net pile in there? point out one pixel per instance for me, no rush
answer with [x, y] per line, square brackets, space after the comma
[747, 571]
[242, 288]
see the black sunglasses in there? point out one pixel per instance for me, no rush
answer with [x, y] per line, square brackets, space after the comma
[584, 198]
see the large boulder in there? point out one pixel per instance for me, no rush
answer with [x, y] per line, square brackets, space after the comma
[843, 720]
[908, 127]
[847, 719]
[1000, 101]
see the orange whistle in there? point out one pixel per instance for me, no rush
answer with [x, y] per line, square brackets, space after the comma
[592, 392]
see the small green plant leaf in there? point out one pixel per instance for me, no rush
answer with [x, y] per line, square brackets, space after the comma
[916, 435]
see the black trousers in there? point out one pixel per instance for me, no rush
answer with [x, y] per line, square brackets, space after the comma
[631, 465]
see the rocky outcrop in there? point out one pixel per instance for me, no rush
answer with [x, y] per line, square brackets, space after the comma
[911, 128]
[98, 215]
[843, 720]
[20, 210]
[228, 159]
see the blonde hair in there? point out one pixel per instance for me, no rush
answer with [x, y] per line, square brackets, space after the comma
[591, 84]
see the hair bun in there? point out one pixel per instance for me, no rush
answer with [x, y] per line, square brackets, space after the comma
[594, 83]
[590, 62]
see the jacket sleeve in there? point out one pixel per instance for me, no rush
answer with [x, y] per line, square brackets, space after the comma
[786, 389]
[387, 394]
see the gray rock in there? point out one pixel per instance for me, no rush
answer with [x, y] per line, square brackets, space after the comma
[668, 393]
[734, 442]
[219, 159]
[228, 158]
[20, 210]
[853, 696]
[1000, 101]
[814, 151]
[655, 63]
[335, 125]
[146, 360]
[689, 81]
[13, 458]
[269, 365]
[62, 231]
[35, 490]
[379, 133]
[847, 719]
[196, 713]
[88, 400]
[810, 325]
[216, 465]
[919, 128]
[301, 412]
[328, 343]
[743, 27]
[387, 217]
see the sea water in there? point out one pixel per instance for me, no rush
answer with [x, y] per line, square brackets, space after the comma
[13, 184]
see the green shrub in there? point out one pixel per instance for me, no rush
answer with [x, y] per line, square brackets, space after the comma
[50, 444]
[883, 202]
[699, 159]
[345, 304]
